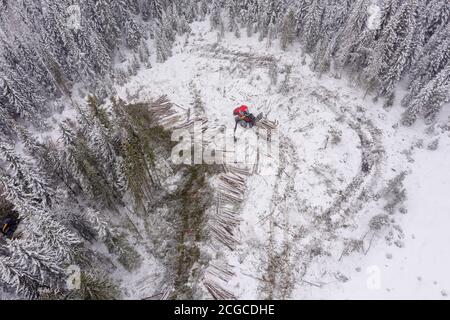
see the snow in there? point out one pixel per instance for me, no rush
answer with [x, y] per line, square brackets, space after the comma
[419, 270]
[280, 214]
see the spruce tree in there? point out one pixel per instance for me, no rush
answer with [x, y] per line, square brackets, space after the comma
[429, 99]
[313, 24]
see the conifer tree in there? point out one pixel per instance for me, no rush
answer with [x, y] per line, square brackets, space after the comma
[313, 24]
[429, 99]
[352, 29]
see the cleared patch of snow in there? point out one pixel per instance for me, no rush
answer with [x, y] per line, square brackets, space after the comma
[286, 250]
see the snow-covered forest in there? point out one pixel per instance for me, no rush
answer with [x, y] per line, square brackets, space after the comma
[91, 93]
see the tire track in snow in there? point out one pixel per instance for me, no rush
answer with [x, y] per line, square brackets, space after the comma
[283, 256]
[359, 190]
[279, 274]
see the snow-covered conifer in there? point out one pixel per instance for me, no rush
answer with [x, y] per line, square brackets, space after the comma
[24, 176]
[132, 33]
[430, 98]
[351, 31]
[216, 17]
[98, 223]
[396, 47]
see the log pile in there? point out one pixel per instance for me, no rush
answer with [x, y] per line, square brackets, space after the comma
[166, 293]
[265, 128]
[165, 113]
[216, 272]
[223, 226]
[217, 291]
[230, 195]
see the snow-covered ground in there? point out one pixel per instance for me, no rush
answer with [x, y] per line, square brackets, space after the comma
[337, 153]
